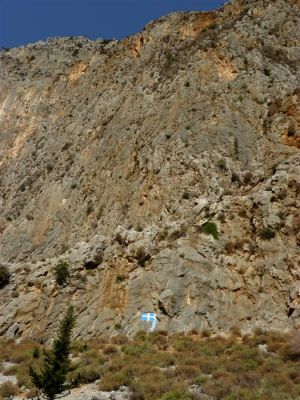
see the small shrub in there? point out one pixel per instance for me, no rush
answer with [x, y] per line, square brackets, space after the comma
[153, 384]
[75, 52]
[120, 239]
[32, 393]
[84, 375]
[36, 352]
[182, 343]
[93, 356]
[120, 278]
[258, 331]
[187, 371]
[242, 213]
[199, 380]
[221, 217]
[112, 381]
[141, 335]
[4, 276]
[110, 349]
[210, 228]
[79, 347]
[21, 372]
[162, 332]
[235, 178]
[8, 389]
[89, 208]
[162, 235]
[236, 147]
[229, 247]
[61, 272]
[142, 256]
[267, 233]
[185, 195]
[219, 388]
[136, 396]
[120, 339]
[160, 341]
[192, 332]
[214, 25]
[170, 58]
[293, 348]
[136, 349]
[222, 164]
[177, 395]
[245, 394]
[206, 333]
[248, 178]
[235, 330]
[275, 107]
[275, 54]
[177, 233]
[16, 353]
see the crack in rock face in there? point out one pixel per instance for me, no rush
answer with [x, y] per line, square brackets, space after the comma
[163, 170]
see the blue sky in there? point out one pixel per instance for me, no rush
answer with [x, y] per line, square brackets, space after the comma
[27, 21]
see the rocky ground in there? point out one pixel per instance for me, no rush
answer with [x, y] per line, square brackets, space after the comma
[164, 169]
[91, 392]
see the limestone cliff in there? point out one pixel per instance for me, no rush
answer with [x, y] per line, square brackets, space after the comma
[164, 168]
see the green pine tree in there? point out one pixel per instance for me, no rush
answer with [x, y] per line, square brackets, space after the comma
[50, 381]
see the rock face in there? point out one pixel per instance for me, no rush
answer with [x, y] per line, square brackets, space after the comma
[164, 168]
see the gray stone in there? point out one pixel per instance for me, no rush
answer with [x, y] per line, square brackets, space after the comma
[12, 331]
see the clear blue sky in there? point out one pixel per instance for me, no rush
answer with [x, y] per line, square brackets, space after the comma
[26, 21]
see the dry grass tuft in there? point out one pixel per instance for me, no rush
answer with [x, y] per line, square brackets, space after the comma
[8, 389]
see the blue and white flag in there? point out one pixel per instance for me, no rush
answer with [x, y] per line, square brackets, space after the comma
[149, 317]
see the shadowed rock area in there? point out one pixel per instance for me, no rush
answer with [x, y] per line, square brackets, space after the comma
[163, 168]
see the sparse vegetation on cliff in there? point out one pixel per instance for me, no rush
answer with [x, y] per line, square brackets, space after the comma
[61, 271]
[210, 228]
[267, 233]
